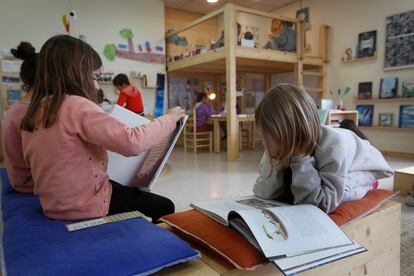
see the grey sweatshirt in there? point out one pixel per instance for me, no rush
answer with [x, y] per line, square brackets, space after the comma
[319, 178]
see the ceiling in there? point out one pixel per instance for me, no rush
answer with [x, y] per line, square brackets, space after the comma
[202, 6]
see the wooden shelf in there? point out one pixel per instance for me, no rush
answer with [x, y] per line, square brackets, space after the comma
[391, 100]
[314, 89]
[388, 128]
[360, 59]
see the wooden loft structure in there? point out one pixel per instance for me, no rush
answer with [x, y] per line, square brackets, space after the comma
[232, 58]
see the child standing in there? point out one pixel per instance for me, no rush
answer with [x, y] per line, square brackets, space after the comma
[66, 134]
[306, 163]
[18, 170]
[129, 96]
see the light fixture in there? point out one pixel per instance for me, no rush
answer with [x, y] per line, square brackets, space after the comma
[212, 96]
[212, 1]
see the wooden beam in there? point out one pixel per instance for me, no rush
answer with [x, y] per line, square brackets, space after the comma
[199, 59]
[230, 45]
[196, 22]
[313, 74]
[266, 54]
[323, 42]
[265, 14]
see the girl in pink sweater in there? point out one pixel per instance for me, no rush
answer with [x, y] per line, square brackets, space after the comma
[66, 134]
[18, 170]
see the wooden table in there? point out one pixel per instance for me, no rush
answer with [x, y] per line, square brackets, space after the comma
[216, 120]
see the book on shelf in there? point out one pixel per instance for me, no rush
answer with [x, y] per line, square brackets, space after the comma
[142, 170]
[294, 237]
[13, 95]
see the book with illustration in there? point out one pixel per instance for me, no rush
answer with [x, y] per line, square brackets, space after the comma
[140, 171]
[294, 237]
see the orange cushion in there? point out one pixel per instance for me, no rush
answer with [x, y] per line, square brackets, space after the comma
[237, 250]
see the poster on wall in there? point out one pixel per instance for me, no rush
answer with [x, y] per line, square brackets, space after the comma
[399, 41]
[179, 93]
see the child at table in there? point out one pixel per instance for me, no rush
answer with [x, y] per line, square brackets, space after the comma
[129, 96]
[204, 110]
[66, 134]
[306, 163]
[18, 170]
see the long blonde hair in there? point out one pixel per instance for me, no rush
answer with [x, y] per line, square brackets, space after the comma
[288, 122]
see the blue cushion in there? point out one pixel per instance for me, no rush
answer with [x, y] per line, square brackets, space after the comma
[36, 245]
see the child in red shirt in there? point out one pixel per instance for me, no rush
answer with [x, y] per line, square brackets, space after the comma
[129, 96]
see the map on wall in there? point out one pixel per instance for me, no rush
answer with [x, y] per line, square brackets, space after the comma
[399, 41]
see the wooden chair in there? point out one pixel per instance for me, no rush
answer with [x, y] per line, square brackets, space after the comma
[195, 140]
[246, 135]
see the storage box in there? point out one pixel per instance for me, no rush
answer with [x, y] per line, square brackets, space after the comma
[404, 180]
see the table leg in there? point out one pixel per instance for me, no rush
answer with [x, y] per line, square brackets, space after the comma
[216, 129]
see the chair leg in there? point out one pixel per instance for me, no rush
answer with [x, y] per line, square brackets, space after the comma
[210, 139]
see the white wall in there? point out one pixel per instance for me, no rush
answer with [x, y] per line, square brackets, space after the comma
[99, 20]
[347, 19]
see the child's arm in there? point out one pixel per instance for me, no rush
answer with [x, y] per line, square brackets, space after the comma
[96, 127]
[268, 187]
[121, 99]
[323, 188]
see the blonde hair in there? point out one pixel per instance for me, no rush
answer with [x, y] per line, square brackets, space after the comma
[288, 122]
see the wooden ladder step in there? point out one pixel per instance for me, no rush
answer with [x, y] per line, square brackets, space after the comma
[314, 89]
[313, 74]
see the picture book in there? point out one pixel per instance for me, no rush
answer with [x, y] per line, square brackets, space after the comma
[13, 95]
[406, 116]
[142, 170]
[294, 237]
[365, 90]
[388, 88]
[408, 89]
[365, 114]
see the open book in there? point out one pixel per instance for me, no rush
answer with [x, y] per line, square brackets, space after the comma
[294, 237]
[142, 170]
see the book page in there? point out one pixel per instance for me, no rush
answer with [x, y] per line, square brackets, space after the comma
[219, 209]
[293, 230]
[122, 169]
[304, 262]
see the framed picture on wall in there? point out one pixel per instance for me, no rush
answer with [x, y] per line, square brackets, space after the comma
[399, 41]
[365, 90]
[385, 119]
[365, 114]
[303, 14]
[367, 44]
[406, 116]
[388, 88]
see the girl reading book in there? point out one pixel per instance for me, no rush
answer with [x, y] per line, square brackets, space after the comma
[306, 163]
[66, 134]
[18, 170]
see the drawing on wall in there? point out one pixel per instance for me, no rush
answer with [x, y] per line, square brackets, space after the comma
[365, 114]
[176, 39]
[367, 44]
[385, 119]
[407, 116]
[399, 41]
[145, 53]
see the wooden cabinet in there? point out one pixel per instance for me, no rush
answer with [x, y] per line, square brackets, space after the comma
[335, 117]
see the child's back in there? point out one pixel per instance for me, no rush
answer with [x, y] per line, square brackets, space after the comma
[129, 96]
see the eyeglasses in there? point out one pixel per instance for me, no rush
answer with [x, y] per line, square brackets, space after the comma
[274, 228]
[96, 76]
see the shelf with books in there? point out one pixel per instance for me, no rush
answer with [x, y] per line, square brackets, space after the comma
[401, 129]
[390, 100]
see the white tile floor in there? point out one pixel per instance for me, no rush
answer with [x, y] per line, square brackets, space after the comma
[207, 175]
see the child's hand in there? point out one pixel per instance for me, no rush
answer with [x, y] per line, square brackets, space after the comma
[177, 113]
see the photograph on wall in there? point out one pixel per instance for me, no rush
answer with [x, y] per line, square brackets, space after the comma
[365, 114]
[399, 41]
[388, 88]
[407, 90]
[406, 116]
[303, 14]
[365, 90]
[385, 119]
[367, 44]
